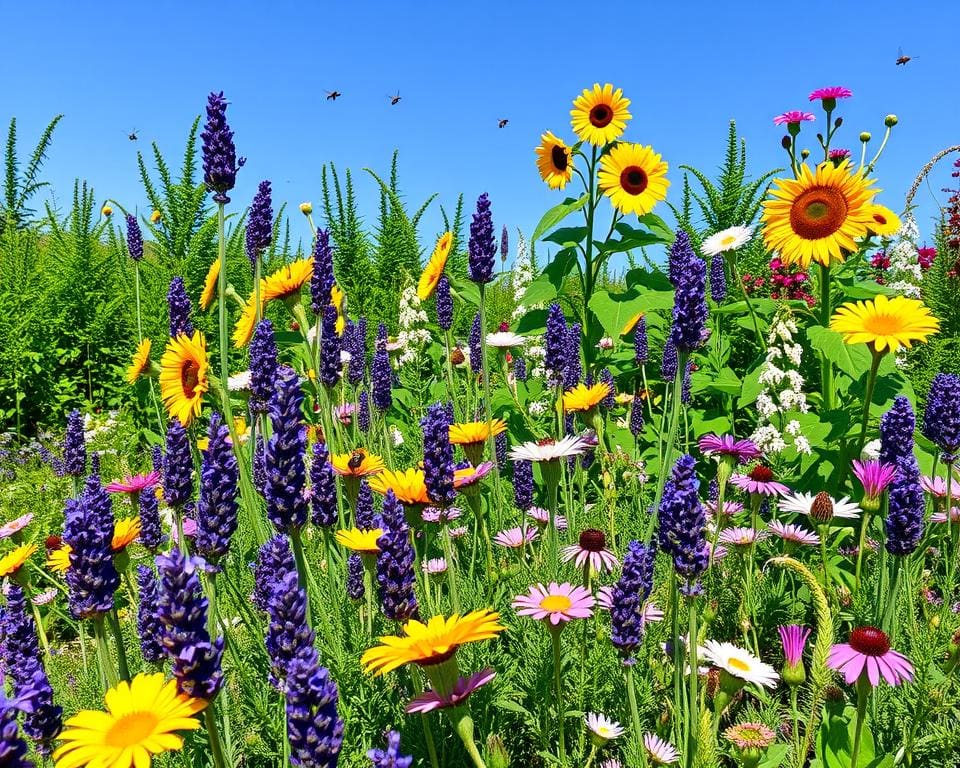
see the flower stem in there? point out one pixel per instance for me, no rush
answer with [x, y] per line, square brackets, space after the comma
[863, 693]
[103, 651]
[558, 692]
[118, 639]
[890, 610]
[213, 733]
[222, 302]
[862, 545]
[868, 399]
[826, 367]
[451, 569]
[487, 410]
[693, 719]
[665, 466]
[634, 710]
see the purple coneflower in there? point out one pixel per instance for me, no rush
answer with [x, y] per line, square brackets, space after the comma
[590, 549]
[868, 653]
[875, 477]
[759, 480]
[793, 534]
[727, 447]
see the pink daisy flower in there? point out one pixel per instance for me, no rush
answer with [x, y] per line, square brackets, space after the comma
[730, 508]
[759, 480]
[937, 486]
[941, 517]
[134, 483]
[11, 527]
[794, 117]
[431, 700]
[839, 154]
[659, 752]
[515, 538]
[47, 596]
[727, 446]
[189, 529]
[556, 603]
[440, 515]
[874, 476]
[741, 537]
[795, 534]
[794, 639]
[541, 517]
[591, 548]
[434, 566]
[475, 475]
[717, 553]
[868, 652]
[750, 735]
[833, 92]
[459, 532]
[344, 413]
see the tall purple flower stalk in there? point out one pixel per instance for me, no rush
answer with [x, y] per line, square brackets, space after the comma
[323, 491]
[683, 522]
[220, 163]
[151, 535]
[74, 446]
[636, 415]
[156, 458]
[330, 347]
[217, 507]
[395, 563]
[92, 578]
[628, 596]
[274, 557]
[482, 246]
[259, 469]
[177, 466]
[263, 366]
[380, 373]
[941, 417]
[444, 302]
[355, 588]
[182, 609]
[179, 309]
[500, 446]
[641, 345]
[149, 627]
[284, 460]
[314, 729]
[574, 370]
[322, 280]
[363, 412]
[363, 516]
[134, 238]
[438, 456]
[391, 757]
[288, 634]
[523, 484]
[718, 279]
[13, 749]
[686, 387]
[504, 244]
[556, 345]
[606, 377]
[476, 350]
[690, 303]
[520, 368]
[357, 368]
[259, 223]
[896, 431]
[905, 501]
[670, 363]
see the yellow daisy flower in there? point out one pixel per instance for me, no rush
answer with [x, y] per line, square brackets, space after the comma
[583, 398]
[884, 323]
[338, 300]
[818, 216]
[58, 560]
[435, 266]
[554, 161]
[884, 222]
[431, 643]
[408, 485]
[286, 281]
[13, 561]
[140, 363]
[183, 376]
[634, 177]
[209, 293]
[358, 540]
[243, 330]
[475, 431]
[358, 463]
[141, 720]
[125, 531]
[600, 115]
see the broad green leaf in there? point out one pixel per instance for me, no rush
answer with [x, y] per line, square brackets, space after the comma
[566, 236]
[657, 226]
[613, 310]
[640, 277]
[852, 359]
[557, 214]
[725, 383]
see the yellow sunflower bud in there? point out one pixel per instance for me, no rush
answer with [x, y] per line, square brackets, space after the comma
[106, 210]
[306, 208]
[890, 121]
[865, 136]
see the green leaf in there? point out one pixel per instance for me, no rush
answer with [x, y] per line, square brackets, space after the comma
[853, 359]
[640, 277]
[557, 214]
[657, 226]
[775, 755]
[561, 266]
[566, 236]
[725, 383]
[631, 238]
[613, 310]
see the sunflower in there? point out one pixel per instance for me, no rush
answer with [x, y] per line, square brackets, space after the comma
[13, 561]
[884, 323]
[286, 281]
[360, 540]
[125, 531]
[472, 432]
[819, 215]
[183, 376]
[600, 115]
[140, 363]
[141, 720]
[58, 560]
[435, 266]
[338, 299]
[358, 463]
[884, 222]
[210, 285]
[408, 485]
[583, 398]
[431, 643]
[554, 161]
[243, 330]
[634, 177]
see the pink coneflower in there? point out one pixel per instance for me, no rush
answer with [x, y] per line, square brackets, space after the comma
[839, 154]
[727, 446]
[515, 538]
[431, 700]
[16, 525]
[874, 476]
[344, 413]
[937, 486]
[794, 639]
[730, 508]
[795, 534]
[741, 537]
[794, 117]
[832, 93]
[541, 517]
[440, 515]
[759, 480]
[464, 479]
[590, 548]
[602, 728]
[134, 483]
[556, 603]
[459, 532]
[750, 735]
[941, 517]
[434, 566]
[868, 652]
[659, 752]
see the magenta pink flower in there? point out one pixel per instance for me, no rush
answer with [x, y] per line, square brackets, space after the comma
[189, 529]
[464, 478]
[833, 92]
[937, 486]
[591, 548]
[793, 533]
[134, 483]
[793, 117]
[839, 154]
[794, 639]
[514, 538]
[759, 480]
[868, 652]
[741, 537]
[730, 508]
[439, 515]
[556, 603]
[874, 476]
[727, 446]
[344, 413]
[431, 700]
[541, 517]
[941, 517]
[16, 525]
[926, 256]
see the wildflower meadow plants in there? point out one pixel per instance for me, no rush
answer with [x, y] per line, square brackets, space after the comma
[497, 533]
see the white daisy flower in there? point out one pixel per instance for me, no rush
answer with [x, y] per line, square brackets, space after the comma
[659, 752]
[739, 662]
[550, 450]
[239, 382]
[505, 340]
[602, 728]
[727, 240]
[801, 503]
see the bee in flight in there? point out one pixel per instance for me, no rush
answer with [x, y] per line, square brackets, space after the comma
[901, 59]
[132, 135]
[503, 123]
[395, 99]
[356, 458]
[333, 95]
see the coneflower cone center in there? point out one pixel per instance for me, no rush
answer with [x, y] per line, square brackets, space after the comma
[558, 156]
[822, 508]
[189, 377]
[761, 474]
[818, 213]
[633, 179]
[131, 729]
[592, 540]
[601, 115]
[869, 641]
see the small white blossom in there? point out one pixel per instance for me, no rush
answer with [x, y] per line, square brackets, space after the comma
[537, 408]
[397, 436]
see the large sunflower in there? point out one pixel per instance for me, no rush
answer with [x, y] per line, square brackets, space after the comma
[554, 161]
[819, 215]
[141, 720]
[286, 281]
[209, 292]
[183, 376]
[13, 561]
[435, 266]
[408, 485]
[243, 330]
[600, 115]
[883, 221]
[884, 323]
[431, 643]
[140, 363]
[634, 177]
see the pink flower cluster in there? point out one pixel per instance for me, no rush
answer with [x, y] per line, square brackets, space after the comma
[785, 283]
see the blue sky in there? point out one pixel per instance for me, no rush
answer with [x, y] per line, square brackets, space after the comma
[689, 67]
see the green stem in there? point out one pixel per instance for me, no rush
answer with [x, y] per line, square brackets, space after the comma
[451, 569]
[40, 630]
[558, 692]
[665, 466]
[634, 709]
[862, 545]
[114, 622]
[794, 691]
[732, 261]
[693, 720]
[826, 367]
[487, 410]
[222, 301]
[103, 651]
[213, 734]
[863, 693]
[890, 611]
[303, 579]
[868, 399]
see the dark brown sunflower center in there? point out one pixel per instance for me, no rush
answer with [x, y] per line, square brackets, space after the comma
[818, 213]
[761, 474]
[633, 179]
[601, 115]
[189, 377]
[592, 540]
[869, 641]
[558, 156]
[880, 219]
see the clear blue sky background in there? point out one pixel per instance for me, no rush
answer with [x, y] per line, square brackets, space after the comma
[689, 67]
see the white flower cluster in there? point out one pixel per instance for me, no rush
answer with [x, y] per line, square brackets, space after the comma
[413, 337]
[521, 278]
[906, 276]
[98, 426]
[537, 408]
[782, 391]
[536, 355]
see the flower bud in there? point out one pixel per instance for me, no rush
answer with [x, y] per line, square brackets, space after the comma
[155, 217]
[793, 675]
[106, 210]
[804, 153]
[865, 136]
[497, 755]
[786, 142]
[838, 122]
[306, 208]
[890, 121]
[822, 508]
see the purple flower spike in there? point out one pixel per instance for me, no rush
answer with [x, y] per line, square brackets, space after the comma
[941, 418]
[690, 303]
[179, 309]
[381, 375]
[284, 457]
[323, 493]
[476, 350]
[92, 578]
[444, 303]
[134, 238]
[395, 562]
[482, 246]
[263, 366]
[220, 164]
[322, 280]
[260, 223]
[149, 627]
[74, 446]
[330, 347]
[438, 456]
[628, 596]
[389, 757]
[683, 522]
[556, 345]
[314, 728]
[177, 466]
[641, 345]
[217, 507]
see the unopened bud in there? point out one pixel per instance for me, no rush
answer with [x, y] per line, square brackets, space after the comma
[497, 755]
[786, 142]
[890, 121]
[804, 153]
[865, 136]
[306, 208]
[838, 122]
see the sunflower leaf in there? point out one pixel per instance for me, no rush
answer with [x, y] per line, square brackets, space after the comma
[557, 214]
